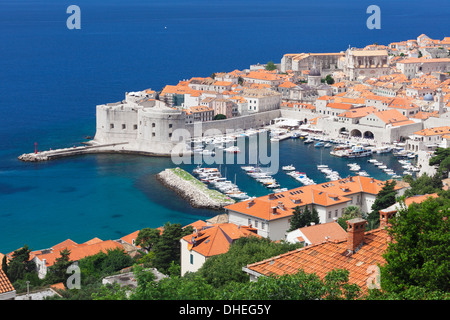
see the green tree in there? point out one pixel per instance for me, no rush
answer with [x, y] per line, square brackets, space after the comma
[384, 199]
[441, 158]
[57, 272]
[221, 269]
[240, 80]
[314, 216]
[167, 249]
[220, 117]
[350, 212]
[298, 286]
[5, 265]
[418, 255]
[270, 66]
[296, 219]
[20, 264]
[147, 238]
[306, 217]
[329, 79]
[422, 185]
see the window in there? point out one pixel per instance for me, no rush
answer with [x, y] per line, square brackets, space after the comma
[336, 213]
[329, 214]
[124, 126]
[135, 127]
[256, 224]
[263, 225]
[249, 221]
[192, 258]
[170, 125]
[153, 134]
[111, 126]
[153, 125]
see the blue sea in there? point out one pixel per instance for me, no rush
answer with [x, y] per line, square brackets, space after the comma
[51, 79]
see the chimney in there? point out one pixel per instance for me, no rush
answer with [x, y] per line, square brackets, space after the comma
[355, 234]
[385, 217]
[274, 210]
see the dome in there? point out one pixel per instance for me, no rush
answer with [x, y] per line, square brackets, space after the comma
[428, 97]
[314, 72]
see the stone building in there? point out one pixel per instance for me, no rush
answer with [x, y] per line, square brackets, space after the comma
[298, 62]
[359, 63]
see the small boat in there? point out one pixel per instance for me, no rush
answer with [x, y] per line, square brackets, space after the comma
[295, 135]
[288, 168]
[363, 173]
[309, 140]
[319, 144]
[234, 149]
[327, 145]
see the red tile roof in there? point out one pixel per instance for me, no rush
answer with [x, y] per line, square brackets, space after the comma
[328, 255]
[5, 284]
[77, 251]
[216, 239]
[324, 194]
[317, 233]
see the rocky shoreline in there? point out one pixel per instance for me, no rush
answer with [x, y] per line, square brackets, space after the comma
[191, 192]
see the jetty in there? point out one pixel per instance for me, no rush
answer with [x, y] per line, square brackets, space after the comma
[66, 152]
[193, 190]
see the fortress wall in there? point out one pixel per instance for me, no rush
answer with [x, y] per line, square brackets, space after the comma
[239, 123]
[298, 115]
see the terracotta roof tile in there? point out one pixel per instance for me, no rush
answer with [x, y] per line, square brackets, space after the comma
[5, 284]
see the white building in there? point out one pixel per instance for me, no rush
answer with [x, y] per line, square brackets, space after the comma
[208, 241]
[260, 100]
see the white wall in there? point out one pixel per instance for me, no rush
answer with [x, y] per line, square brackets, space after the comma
[197, 260]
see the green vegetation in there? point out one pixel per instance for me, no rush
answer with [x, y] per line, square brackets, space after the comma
[329, 79]
[270, 66]
[441, 159]
[350, 212]
[385, 198]
[221, 269]
[219, 117]
[423, 185]
[304, 217]
[417, 265]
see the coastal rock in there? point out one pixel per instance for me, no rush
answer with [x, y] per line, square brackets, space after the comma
[197, 197]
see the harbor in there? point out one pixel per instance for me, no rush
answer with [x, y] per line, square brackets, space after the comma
[306, 158]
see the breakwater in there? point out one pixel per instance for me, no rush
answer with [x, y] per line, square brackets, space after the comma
[67, 152]
[193, 190]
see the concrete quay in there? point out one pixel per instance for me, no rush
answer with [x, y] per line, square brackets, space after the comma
[66, 152]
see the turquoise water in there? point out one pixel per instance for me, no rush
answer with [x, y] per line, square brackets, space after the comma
[51, 79]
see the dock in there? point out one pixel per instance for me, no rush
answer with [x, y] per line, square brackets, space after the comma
[65, 152]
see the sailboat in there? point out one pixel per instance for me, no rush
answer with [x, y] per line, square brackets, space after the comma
[321, 165]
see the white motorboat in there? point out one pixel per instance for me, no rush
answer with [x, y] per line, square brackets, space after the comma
[288, 168]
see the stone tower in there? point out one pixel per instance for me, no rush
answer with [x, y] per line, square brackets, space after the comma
[314, 77]
[439, 102]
